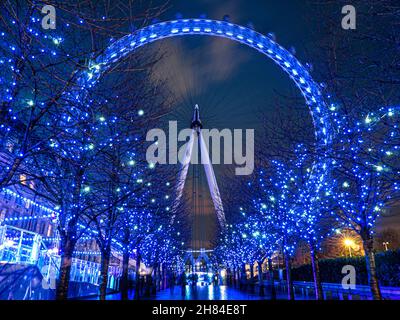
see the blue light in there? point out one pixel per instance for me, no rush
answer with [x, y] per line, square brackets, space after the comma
[181, 27]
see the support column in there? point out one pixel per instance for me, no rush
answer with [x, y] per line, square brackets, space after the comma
[271, 279]
[260, 278]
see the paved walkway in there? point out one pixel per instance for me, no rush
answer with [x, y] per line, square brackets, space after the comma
[205, 292]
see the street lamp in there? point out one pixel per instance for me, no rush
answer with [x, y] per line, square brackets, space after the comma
[385, 244]
[349, 243]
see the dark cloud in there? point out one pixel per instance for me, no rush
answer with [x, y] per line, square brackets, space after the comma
[192, 69]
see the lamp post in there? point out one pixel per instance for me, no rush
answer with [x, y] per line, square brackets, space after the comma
[349, 243]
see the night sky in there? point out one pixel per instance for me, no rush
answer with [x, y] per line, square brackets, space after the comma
[230, 81]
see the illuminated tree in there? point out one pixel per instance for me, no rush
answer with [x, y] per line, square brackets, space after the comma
[367, 177]
[286, 206]
[361, 83]
[51, 120]
[36, 68]
[312, 208]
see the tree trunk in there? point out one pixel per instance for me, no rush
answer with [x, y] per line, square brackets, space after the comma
[125, 276]
[68, 241]
[239, 277]
[165, 276]
[160, 278]
[289, 281]
[271, 279]
[137, 284]
[11, 172]
[251, 272]
[368, 243]
[148, 286]
[251, 276]
[260, 278]
[316, 274]
[105, 262]
[259, 270]
[67, 250]
[155, 277]
[243, 277]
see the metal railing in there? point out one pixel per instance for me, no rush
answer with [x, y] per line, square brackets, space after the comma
[20, 246]
[335, 291]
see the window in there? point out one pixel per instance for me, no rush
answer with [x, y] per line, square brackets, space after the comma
[10, 145]
[49, 231]
[42, 227]
[22, 179]
[3, 214]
